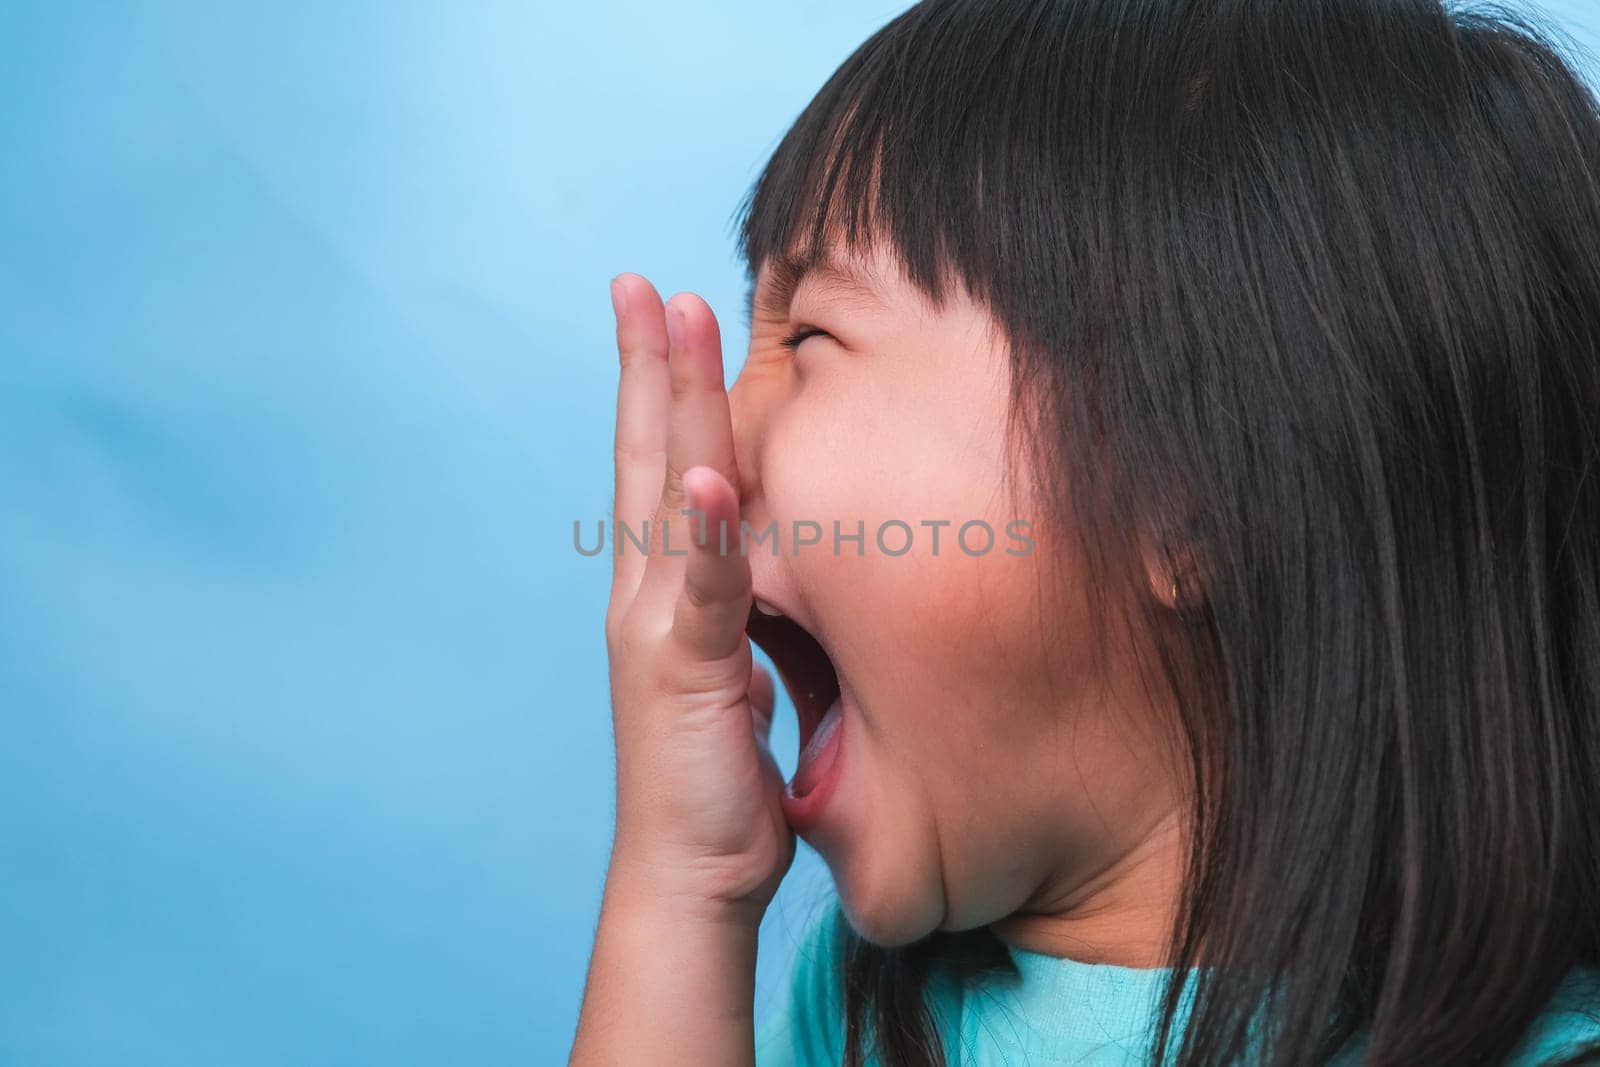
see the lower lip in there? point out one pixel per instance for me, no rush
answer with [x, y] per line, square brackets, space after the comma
[804, 813]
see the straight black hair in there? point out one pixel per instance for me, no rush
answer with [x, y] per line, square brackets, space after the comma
[1307, 293]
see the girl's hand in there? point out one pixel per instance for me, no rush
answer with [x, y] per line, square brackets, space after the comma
[698, 813]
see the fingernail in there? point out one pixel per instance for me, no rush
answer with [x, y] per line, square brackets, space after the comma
[619, 298]
[674, 325]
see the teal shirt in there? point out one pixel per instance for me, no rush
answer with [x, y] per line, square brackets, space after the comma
[1058, 1011]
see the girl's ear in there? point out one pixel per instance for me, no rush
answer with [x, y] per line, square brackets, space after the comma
[1174, 577]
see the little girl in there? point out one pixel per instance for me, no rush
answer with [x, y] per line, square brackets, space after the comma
[1165, 474]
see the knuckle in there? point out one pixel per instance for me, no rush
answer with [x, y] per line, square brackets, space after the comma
[698, 597]
[633, 454]
[714, 683]
[673, 497]
[627, 633]
[632, 350]
[613, 630]
[681, 381]
[619, 644]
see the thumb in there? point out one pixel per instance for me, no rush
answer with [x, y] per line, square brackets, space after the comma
[763, 696]
[714, 604]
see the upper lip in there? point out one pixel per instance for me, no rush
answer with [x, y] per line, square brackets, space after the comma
[803, 662]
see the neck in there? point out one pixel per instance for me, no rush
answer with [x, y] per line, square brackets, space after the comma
[1122, 913]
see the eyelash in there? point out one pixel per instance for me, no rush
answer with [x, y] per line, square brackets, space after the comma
[792, 342]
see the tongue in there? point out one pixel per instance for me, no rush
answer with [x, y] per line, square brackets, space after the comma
[817, 756]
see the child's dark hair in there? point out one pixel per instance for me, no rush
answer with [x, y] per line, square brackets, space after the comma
[1307, 293]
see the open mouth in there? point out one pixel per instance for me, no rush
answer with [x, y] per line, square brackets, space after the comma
[803, 666]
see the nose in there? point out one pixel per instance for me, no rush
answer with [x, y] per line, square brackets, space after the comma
[746, 409]
[755, 402]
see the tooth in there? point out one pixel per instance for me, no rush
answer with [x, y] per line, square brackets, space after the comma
[767, 609]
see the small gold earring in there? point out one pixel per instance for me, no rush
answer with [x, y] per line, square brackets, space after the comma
[1174, 592]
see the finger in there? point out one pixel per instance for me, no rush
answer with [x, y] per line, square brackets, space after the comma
[763, 698]
[714, 602]
[700, 429]
[643, 405]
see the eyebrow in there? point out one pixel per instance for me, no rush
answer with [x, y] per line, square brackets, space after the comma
[787, 272]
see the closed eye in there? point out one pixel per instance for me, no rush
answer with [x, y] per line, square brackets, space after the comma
[792, 342]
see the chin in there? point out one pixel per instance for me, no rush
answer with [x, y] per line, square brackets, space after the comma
[888, 908]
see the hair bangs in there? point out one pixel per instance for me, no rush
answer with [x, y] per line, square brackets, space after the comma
[896, 151]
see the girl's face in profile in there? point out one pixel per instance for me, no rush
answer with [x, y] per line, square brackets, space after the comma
[981, 769]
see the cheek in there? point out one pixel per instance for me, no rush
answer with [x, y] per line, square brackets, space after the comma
[955, 747]
[870, 449]
[925, 618]
[962, 678]
[943, 645]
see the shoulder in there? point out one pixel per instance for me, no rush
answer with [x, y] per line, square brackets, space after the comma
[1569, 1023]
[806, 1027]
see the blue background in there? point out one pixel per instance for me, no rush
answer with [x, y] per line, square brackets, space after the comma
[306, 369]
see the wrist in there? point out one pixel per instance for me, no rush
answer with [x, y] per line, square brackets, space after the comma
[671, 972]
[677, 894]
